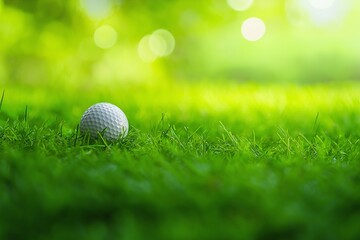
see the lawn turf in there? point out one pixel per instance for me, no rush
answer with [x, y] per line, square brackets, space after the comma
[202, 161]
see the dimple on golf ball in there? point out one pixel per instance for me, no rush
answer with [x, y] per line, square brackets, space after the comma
[105, 119]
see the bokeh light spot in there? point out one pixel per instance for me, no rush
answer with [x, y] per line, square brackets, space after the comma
[144, 50]
[105, 37]
[160, 43]
[240, 5]
[253, 29]
[97, 9]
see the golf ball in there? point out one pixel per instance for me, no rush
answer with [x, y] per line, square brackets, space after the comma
[106, 119]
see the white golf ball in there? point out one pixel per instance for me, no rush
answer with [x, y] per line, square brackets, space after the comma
[106, 119]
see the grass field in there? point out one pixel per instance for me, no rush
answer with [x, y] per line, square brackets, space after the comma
[202, 161]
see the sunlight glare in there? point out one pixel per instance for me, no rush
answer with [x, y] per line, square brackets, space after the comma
[321, 4]
[320, 12]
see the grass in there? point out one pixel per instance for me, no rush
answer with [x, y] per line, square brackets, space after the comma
[202, 161]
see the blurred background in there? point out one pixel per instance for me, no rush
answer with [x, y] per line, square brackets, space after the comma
[92, 42]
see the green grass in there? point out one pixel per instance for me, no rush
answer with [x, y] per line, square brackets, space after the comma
[202, 161]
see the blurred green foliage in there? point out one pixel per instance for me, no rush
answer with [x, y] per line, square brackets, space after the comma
[52, 41]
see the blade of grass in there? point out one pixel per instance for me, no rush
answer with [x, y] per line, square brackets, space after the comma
[316, 125]
[232, 138]
[76, 134]
[103, 140]
[26, 113]
[2, 98]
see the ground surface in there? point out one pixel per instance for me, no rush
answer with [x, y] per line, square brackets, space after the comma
[215, 161]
